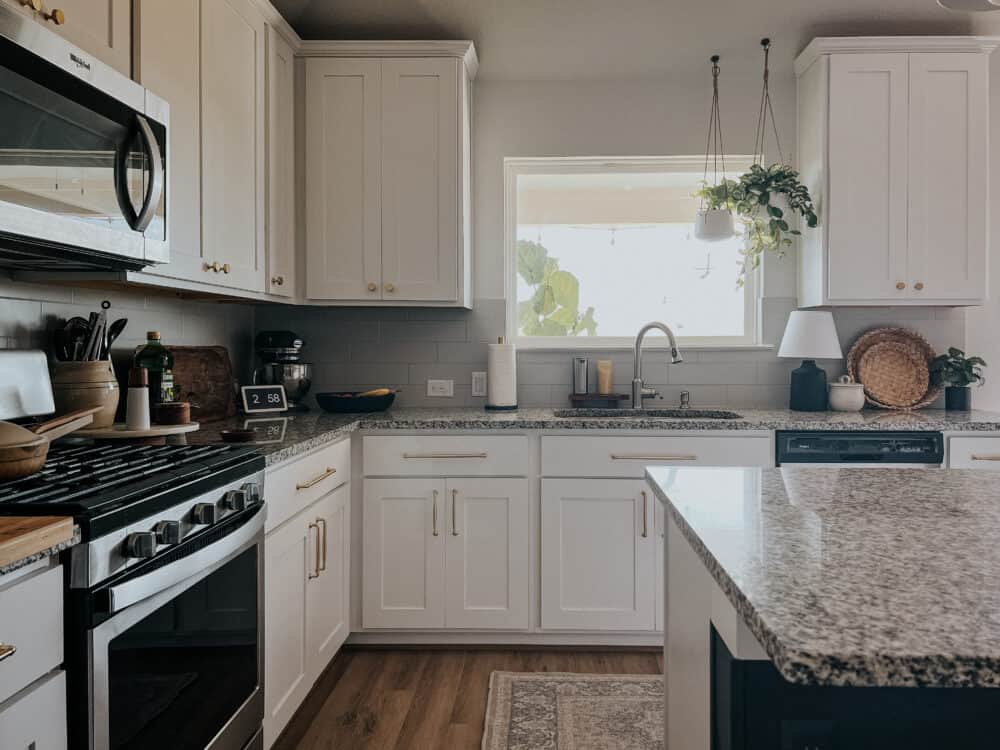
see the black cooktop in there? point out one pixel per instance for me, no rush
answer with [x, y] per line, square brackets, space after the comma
[107, 486]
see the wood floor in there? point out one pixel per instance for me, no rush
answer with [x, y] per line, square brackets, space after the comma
[424, 700]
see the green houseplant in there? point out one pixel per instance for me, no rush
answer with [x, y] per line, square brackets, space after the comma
[956, 373]
[762, 198]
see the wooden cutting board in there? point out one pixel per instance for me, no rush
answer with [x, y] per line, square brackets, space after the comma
[203, 375]
[23, 536]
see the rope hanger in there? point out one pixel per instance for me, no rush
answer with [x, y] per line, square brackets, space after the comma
[714, 149]
[766, 110]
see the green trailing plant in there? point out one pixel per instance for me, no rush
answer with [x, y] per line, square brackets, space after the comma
[554, 307]
[955, 370]
[766, 224]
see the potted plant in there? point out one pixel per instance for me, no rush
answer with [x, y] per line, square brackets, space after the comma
[763, 198]
[956, 373]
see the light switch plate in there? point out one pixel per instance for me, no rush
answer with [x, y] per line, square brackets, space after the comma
[479, 384]
[441, 388]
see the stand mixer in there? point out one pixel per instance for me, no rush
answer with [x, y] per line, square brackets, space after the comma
[280, 353]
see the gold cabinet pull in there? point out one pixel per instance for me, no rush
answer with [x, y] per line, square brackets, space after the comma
[900, 285]
[35, 5]
[372, 286]
[316, 480]
[56, 16]
[645, 515]
[434, 515]
[7, 651]
[918, 286]
[316, 568]
[651, 457]
[390, 288]
[321, 522]
[225, 268]
[443, 455]
[994, 457]
[278, 280]
[454, 513]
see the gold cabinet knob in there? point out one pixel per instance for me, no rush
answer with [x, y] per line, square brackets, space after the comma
[900, 285]
[225, 268]
[372, 286]
[918, 286]
[278, 280]
[35, 5]
[56, 16]
[390, 288]
[211, 267]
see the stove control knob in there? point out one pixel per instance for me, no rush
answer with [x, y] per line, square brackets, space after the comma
[203, 514]
[168, 532]
[140, 544]
[235, 500]
[252, 490]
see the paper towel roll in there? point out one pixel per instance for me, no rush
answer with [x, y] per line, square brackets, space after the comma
[501, 377]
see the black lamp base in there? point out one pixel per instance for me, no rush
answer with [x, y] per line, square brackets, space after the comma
[808, 388]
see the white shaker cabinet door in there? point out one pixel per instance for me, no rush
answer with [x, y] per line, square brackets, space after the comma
[866, 207]
[598, 551]
[343, 179]
[421, 158]
[948, 120]
[488, 524]
[101, 27]
[404, 553]
[289, 554]
[327, 593]
[233, 118]
[280, 166]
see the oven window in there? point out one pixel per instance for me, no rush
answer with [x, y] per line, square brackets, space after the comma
[177, 676]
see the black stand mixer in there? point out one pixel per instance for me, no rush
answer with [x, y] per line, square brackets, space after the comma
[280, 353]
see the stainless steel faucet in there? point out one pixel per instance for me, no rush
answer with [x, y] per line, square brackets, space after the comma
[639, 390]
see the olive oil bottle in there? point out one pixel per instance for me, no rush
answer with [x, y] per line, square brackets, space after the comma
[159, 363]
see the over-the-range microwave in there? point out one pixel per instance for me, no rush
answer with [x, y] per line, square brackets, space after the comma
[83, 158]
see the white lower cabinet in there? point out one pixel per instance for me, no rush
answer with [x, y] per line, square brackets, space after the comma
[36, 718]
[447, 553]
[974, 453]
[306, 603]
[598, 555]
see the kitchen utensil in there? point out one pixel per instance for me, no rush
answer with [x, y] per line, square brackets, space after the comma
[901, 335]
[70, 340]
[203, 375]
[114, 331]
[81, 385]
[23, 450]
[353, 401]
[846, 395]
[294, 377]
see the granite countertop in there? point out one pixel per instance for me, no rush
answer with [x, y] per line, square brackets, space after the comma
[853, 577]
[304, 432]
[27, 539]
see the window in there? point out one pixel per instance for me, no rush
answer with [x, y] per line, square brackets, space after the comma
[597, 248]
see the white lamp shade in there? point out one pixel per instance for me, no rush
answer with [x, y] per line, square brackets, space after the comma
[810, 334]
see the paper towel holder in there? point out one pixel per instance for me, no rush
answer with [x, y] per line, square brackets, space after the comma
[492, 378]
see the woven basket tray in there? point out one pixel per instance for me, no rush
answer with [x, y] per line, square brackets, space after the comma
[896, 370]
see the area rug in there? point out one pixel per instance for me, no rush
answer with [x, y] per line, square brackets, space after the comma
[565, 711]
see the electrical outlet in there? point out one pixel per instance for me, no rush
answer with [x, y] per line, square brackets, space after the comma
[479, 384]
[442, 388]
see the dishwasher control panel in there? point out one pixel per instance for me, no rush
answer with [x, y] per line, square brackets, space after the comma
[856, 447]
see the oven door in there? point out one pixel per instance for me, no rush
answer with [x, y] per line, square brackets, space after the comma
[178, 664]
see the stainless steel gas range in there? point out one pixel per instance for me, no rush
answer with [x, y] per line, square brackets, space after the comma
[164, 628]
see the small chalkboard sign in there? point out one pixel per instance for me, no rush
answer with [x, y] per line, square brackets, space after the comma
[258, 399]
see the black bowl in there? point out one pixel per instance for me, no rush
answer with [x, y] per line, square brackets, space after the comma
[350, 402]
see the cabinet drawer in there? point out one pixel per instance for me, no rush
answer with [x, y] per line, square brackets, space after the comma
[31, 620]
[446, 456]
[627, 457]
[36, 719]
[974, 453]
[292, 486]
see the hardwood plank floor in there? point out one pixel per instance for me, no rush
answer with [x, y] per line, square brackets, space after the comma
[426, 699]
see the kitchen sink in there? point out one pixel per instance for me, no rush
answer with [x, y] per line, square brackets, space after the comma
[649, 413]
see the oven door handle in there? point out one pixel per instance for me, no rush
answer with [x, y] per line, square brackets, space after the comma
[128, 593]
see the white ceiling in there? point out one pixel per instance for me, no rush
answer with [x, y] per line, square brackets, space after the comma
[614, 39]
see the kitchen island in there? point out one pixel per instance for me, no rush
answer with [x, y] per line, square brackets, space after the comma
[831, 607]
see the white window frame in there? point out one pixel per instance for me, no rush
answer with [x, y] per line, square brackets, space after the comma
[515, 167]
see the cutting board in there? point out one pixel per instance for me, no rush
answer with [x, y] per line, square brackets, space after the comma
[203, 375]
[23, 536]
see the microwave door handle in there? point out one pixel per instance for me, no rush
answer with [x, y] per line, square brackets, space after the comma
[136, 590]
[155, 189]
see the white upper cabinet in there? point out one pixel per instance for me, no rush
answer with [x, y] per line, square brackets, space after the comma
[893, 147]
[233, 49]
[280, 166]
[387, 174]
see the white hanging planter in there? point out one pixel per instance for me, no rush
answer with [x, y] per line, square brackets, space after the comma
[714, 225]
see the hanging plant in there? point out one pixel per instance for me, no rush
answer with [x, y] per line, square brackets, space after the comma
[714, 220]
[756, 196]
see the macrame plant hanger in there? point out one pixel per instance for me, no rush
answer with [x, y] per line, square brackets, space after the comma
[715, 223]
[766, 112]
